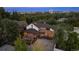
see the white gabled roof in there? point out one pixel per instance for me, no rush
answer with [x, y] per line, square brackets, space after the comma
[37, 26]
[30, 26]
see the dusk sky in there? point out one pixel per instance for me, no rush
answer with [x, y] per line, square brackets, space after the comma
[40, 9]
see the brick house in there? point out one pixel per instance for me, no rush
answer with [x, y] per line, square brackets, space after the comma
[38, 30]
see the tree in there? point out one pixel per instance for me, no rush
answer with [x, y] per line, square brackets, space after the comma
[9, 30]
[72, 42]
[15, 16]
[52, 21]
[1, 37]
[2, 12]
[20, 45]
[60, 40]
[29, 20]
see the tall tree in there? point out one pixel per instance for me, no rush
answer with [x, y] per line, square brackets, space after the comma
[10, 30]
[2, 12]
[15, 16]
[72, 42]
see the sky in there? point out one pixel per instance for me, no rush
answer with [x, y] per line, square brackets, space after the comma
[40, 9]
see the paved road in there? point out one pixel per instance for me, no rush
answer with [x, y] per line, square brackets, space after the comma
[7, 48]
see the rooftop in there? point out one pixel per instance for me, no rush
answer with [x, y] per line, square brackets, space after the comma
[32, 31]
[42, 25]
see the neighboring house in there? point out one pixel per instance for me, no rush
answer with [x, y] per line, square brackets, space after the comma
[62, 19]
[38, 30]
[76, 29]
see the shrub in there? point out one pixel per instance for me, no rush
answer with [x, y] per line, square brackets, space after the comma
[20, 45]
[72, 43]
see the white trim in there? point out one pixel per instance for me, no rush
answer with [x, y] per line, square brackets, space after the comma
[51, 30]
[32, 26]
